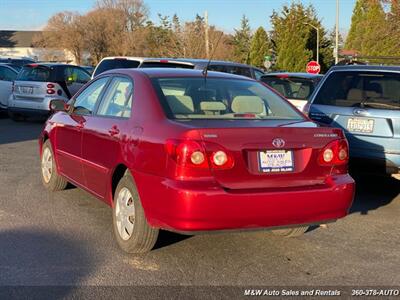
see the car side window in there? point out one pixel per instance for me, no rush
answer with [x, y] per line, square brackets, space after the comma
[86, 101]
[6, 74]
[81, 76]
[258, 74]
[117, 101]
[75, 75]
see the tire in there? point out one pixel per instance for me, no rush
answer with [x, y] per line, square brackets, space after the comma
[16, 117]
[290, 232]
[131, 230]
[50, 178]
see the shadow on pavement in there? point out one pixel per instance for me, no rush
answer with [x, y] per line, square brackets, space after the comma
[167, 238]
[13, 132]
[33, 262]
[373, 192]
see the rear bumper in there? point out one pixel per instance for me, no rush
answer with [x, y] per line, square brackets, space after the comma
[193, 207]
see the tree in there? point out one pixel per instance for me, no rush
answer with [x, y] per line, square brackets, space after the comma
[241, 41]
[295, 40]
[259, 48]
[64, 31]
[367, 25]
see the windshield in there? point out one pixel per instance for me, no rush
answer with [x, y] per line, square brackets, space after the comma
[219, 98]
[291, 87]
[109, 64]
[34, 74]
[156, 64]
[361, 89]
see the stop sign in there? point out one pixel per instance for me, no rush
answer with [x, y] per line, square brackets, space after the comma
[313, 67]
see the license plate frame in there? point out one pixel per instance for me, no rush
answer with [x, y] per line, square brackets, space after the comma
[360, 125]
[276, 161]
[26, 90]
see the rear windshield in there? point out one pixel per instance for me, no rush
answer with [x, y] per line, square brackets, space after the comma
[361, 89]
[237, 70]
[219, 98]
[34, 74]
[291, 87]
[109, 64]
[151, 64]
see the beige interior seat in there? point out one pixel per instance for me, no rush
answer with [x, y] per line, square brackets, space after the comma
[247, 104]
[180, 105]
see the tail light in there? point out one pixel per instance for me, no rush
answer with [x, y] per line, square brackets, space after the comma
[50, 88]
[193, 161]
[336, 153]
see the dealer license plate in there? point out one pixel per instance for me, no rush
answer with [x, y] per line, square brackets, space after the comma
[275, 161]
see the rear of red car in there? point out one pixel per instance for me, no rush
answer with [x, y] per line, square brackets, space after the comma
[241, 157]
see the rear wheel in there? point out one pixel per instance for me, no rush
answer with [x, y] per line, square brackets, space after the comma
[50, 178]
[132, 232]
[290, 232]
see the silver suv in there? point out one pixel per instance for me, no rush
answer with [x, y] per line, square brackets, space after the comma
[38, 84]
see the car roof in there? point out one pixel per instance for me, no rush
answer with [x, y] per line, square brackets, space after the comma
[51, 65]
[167, 72]
[364, 68]
[194, 61]
[293, 74]
[8, 66]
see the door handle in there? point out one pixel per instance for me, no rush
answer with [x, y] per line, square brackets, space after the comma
[113, 131]
[80, 125]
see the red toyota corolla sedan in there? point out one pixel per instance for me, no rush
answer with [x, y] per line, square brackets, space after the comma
[187, 151]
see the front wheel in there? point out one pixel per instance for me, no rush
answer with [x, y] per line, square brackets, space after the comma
[50, 178]
[291, 232]
[132, 232]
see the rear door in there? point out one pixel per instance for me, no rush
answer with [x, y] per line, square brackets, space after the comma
[7, 76]
[104, 130]
[299, 148]
[31, 83]
[366, 104]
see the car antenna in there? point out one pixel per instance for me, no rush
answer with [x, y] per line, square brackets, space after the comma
[205, 70]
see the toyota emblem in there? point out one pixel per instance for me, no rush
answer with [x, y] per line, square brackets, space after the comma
[278, 143]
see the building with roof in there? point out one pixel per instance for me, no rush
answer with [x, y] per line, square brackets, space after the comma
[21, 44]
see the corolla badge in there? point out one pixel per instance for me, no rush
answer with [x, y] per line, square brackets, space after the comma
[278, 143]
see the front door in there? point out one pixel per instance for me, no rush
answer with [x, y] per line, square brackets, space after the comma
[68, 138]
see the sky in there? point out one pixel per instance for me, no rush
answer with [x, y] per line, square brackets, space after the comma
[224, 14]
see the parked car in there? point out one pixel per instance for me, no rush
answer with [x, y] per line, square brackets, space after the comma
[7, 76]
[109, 63]
[296, 87]
[88, 69]
[186, 152]
[365, 102]
[15, 67]
[38, 84]
[18, 61]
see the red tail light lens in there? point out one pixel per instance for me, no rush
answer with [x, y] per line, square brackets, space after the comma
[335, 153]
[193, 161]
[51, 91]
[50, 85]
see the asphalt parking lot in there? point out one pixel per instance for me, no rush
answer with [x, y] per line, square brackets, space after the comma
[66, 238]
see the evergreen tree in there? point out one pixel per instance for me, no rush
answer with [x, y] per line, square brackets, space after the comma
[368, 25]
[241, 41]
[259, 48]
[295, 40]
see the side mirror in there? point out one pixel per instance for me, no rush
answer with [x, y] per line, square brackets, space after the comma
[58, 105]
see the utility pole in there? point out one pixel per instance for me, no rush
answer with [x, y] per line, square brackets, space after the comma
[337, 33]
[206, 34]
